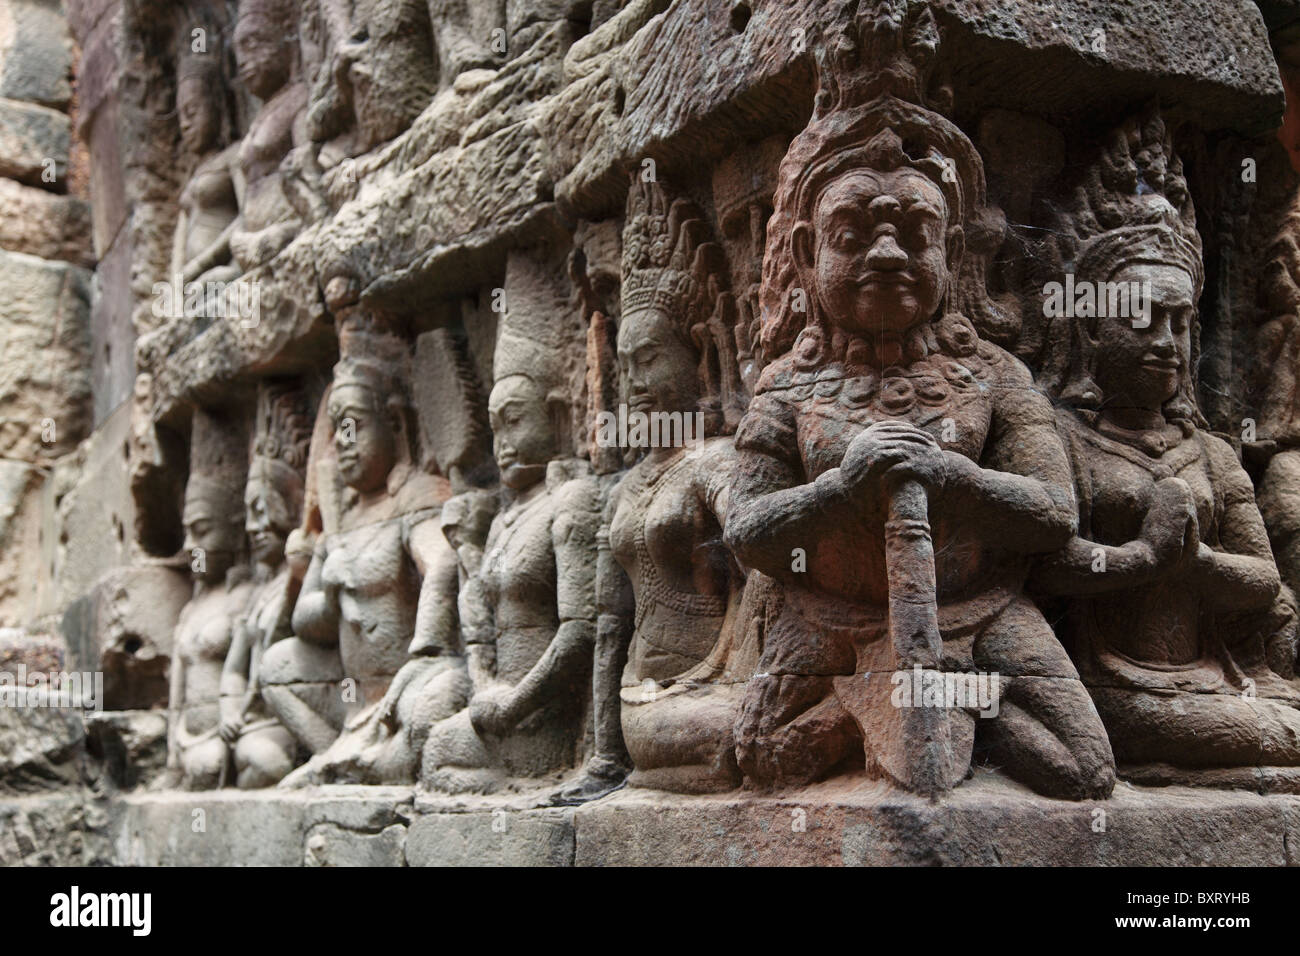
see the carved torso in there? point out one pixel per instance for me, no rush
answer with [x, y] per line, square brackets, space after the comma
[269, 139]
[518, 581]
[666, 534]
[806, 414]
[203, 636]
[1157, 626]
[378, 587]
[209, 202]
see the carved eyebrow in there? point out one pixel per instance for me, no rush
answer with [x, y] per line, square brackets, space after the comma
[509, 404]
[342, 411]
[921, 206]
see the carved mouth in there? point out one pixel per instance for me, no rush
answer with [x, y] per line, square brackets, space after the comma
[261, 540]
[885, 279]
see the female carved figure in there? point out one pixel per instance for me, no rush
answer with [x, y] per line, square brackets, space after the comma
[530, 615]
[196, 752]
[264, 750]
[267, 54]
[379, 71]
[362, 602]
[664, 519]
[1170, 583]
[433, 684]
[894, 468]
[209, 202]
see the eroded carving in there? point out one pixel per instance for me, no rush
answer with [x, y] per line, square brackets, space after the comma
[268, 57]
[531, 607]
[889, 446]
[198, 757]
[1173, 593]
[210, 199]
[264, 751]
[361, 600]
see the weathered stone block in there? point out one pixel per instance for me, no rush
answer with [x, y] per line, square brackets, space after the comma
[40, 746]
[35, 53]
[130, 745]
[48, 830]
[45, 224]
[491, 834]
[33, 143]
[93, 515]
[44, 356]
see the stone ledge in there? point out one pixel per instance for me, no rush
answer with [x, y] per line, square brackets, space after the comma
[988, 821]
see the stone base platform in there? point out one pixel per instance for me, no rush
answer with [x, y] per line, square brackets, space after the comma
[987, 821]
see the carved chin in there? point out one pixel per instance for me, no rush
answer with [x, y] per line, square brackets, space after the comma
[268, 550]
[522, 476]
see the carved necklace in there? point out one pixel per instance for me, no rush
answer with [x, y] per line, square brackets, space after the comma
[653, 584]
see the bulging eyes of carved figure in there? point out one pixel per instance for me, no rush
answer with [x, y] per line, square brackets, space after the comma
[658, 369]
[266, 519]
[261, 55]
[195, 109]
[523, 434]
[877, 249]
[1140, 365]
[366, 439]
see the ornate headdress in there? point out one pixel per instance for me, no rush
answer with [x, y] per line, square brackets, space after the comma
[372, 355]
[671, 264]
[204, 67]
[281, 443]
[878, 118]
[212, 70]
[541, 337]
[218, 463]
[1131, 207]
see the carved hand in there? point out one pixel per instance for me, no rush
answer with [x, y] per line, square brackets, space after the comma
[297, 553]
[490, 710]
[232, 718]
[893, 452]
[1170, 531]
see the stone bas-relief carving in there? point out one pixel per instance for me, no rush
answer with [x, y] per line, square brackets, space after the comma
[1173, 591]
[530, 608]
[209, 201]
[676, 350]
[198, 755]
[268, 57]
[264, 751]
[892, 446]
[908, 474]
[362, 608]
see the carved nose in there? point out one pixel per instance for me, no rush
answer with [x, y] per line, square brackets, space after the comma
[886, 253]
[1163, 343]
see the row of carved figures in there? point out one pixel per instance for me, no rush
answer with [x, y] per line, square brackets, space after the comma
[892, 498]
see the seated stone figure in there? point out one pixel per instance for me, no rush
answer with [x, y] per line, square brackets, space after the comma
[197, 755]
[382, 745]
[379, 71]
[530, 625]
[1171, 591]
[418, 697]
[209, 201]
[267, 54]
[264, 750]
[663, 521]
[361, 600]
[895, 469]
